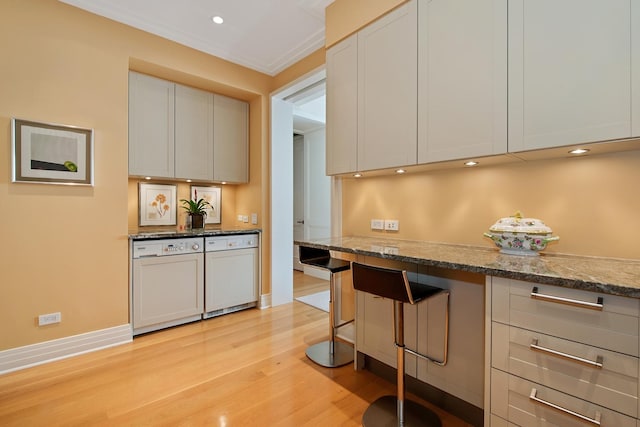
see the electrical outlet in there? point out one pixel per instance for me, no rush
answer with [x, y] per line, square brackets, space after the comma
[240, 218]
[391, 224]
[377, 224]
[245, 218]
[254, 218]
[48, 319]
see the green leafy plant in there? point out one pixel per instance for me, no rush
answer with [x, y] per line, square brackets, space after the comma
[195, 206]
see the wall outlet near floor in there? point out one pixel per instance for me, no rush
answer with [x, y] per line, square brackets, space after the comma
[48, 319]
[377, 224]
[391, 225]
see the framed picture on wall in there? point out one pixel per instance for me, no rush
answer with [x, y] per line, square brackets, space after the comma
[157, 204]
[48, 153]
[212, 196]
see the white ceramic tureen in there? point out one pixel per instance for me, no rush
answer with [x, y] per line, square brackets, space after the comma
[520, 236]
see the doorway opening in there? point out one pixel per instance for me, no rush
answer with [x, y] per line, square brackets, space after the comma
[298, 103]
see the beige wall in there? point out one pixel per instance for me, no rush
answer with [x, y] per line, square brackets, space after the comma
[591, 202]
[65, 248]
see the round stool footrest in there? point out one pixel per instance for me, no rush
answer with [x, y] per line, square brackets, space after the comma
[321, 354]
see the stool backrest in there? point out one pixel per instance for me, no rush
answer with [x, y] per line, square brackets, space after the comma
[306, 253]
[384, 282]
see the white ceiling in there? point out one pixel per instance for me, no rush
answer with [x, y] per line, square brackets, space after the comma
[264, 35]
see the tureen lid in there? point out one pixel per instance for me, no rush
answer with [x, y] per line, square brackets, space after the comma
[517, 224]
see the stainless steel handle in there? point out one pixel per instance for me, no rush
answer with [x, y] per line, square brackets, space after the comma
[576, 303]
[300, 222]
[595, 420]
[596, 364]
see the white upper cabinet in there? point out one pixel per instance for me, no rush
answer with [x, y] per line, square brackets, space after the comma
[572, 72]
[387, 90]
[193, 134]
[462, 79]
[231, 140]
[151, 126]
[342, 107]
[179, 132]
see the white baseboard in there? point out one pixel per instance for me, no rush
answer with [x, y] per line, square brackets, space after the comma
[265, 301]
[48, 351]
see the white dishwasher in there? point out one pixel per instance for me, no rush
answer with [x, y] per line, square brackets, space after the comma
[167, 282]
[231, 273]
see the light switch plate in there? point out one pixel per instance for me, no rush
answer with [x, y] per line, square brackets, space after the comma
[377, 224]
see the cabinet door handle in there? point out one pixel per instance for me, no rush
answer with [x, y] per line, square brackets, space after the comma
[574, 302]
[595, 420]
[595, 364]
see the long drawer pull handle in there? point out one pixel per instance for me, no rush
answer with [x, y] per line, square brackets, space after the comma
[595, 420]
[577, 303]
[595, 364]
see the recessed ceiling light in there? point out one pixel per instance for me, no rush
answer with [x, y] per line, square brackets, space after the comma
[147, 178]
[217, 19]
[223, 182]
[400, 171]
[188, 180]
[471, 163]
[579, 151]
[357, 175]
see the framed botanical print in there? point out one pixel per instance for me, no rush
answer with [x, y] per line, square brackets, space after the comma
[157, 204]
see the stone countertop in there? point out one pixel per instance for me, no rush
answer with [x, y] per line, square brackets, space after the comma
[608, 275]
[172, 234]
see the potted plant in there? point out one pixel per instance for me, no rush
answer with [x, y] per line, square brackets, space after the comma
[197, 210]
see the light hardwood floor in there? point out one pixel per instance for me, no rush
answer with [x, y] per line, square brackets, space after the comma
[242, 369]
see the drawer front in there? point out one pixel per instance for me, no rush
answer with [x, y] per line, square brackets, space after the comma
[603, 377]
[526, 403]
[613, 327]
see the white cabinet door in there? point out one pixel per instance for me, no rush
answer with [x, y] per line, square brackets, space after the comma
[231, 279]
[167, 289]
[230, 140]
[342, 107]
[387, 86]
[570, 71]
[462, 79]
[151, 126]
[193, 134]
[463, 375]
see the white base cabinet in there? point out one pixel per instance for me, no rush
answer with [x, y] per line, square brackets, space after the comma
[231, 278]
[561, 356]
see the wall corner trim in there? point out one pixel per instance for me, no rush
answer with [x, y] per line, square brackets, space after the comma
[37, 354]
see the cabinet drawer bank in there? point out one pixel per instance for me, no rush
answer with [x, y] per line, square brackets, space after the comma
[565, 326]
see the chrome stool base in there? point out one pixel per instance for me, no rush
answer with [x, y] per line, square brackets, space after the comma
[321, 354]
[384, 413]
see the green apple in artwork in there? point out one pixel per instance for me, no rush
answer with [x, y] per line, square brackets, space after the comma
[71, 166]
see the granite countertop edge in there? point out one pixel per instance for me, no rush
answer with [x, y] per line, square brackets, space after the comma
[176, 234]
[597, 274]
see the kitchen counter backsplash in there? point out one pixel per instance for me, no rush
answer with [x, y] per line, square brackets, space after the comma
[145, 234]
[608, 275]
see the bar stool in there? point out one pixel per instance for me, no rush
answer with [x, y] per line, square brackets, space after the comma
[332, 353]
[394, 285]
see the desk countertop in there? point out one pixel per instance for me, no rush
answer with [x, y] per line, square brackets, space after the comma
[608, 275]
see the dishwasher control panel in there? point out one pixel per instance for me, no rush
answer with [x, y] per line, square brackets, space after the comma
[167, 247]
[231, 242]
